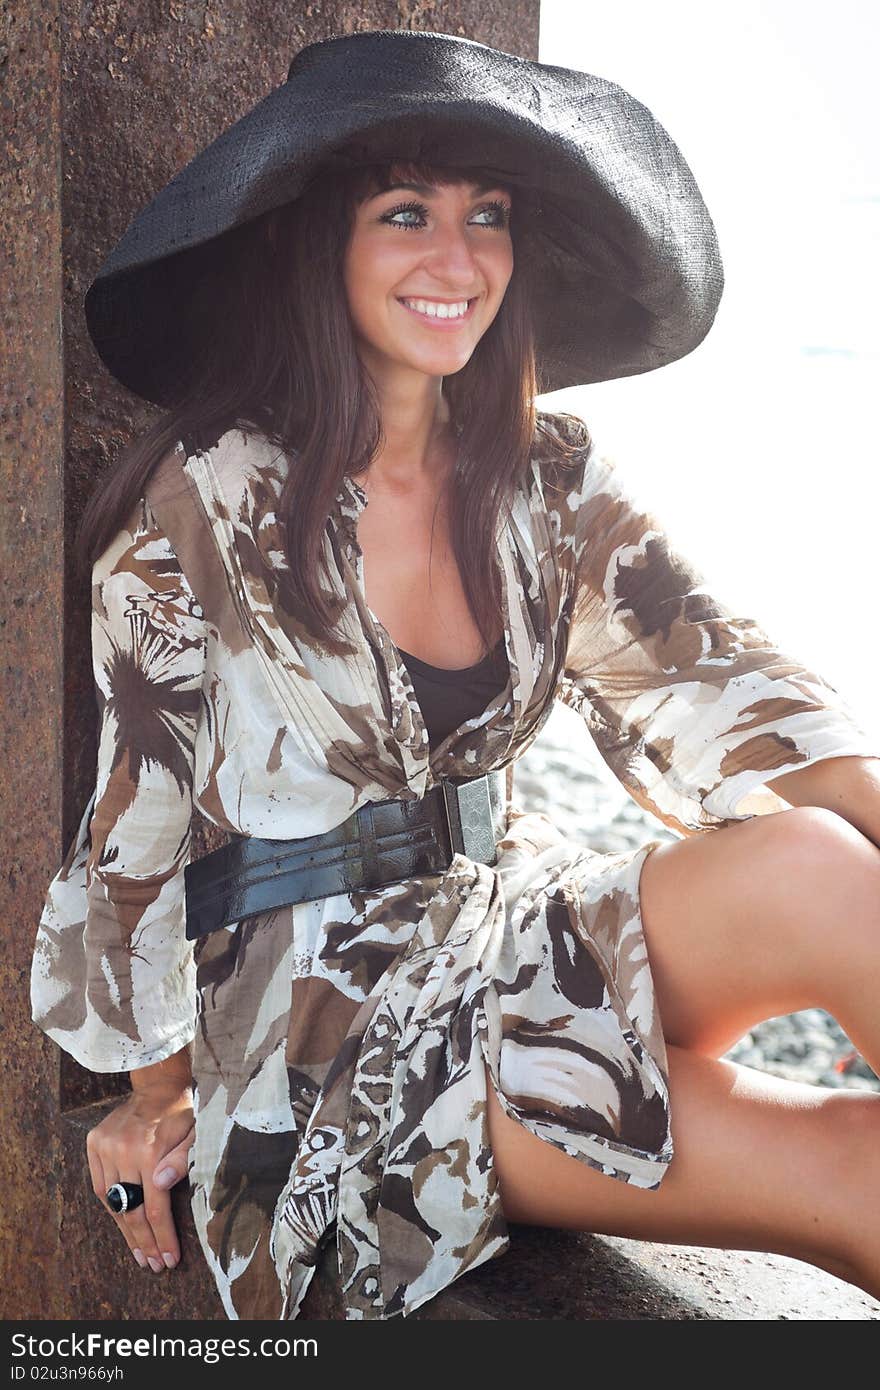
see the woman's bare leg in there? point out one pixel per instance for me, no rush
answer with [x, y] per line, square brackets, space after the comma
[762, 918]
[759, 1164]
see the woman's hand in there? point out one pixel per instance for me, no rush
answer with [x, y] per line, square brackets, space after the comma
[151, 1131]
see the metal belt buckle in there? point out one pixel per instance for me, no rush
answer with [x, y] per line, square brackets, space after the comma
[469, 816]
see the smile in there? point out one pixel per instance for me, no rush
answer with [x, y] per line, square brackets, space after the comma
[440, 315]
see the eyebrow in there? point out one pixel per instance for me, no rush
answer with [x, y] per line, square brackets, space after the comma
[427, 191]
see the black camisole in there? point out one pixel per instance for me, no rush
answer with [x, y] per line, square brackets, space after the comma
[448, 697]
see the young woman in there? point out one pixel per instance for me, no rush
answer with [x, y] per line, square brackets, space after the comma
[336, 589]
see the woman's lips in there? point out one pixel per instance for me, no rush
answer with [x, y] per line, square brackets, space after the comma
[437, 322]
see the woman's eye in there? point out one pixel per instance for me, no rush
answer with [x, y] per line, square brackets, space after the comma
[500, 213]
[418, 208]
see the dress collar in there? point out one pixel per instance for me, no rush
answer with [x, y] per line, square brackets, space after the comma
[351, 489]
[350, 502]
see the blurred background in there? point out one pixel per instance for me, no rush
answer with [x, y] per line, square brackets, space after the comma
[758, 452]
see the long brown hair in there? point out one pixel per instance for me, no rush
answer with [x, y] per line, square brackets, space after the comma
[285, 360]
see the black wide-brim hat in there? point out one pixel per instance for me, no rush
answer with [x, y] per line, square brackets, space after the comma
[622, 250]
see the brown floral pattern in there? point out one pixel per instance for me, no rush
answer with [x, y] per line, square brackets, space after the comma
[342, 1048]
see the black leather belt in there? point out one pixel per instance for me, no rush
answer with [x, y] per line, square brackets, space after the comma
[382, 842]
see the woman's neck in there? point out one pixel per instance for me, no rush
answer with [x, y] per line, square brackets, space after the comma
[413, 462]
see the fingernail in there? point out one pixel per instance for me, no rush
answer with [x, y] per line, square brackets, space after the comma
[155, 1265]
[166, 1177]
[139, 1256]
[170, 1260]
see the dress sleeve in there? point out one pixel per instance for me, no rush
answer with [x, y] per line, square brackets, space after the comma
[113, 976]
[692, 707]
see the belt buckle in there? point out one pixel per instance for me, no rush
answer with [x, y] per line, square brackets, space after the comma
[469, 817]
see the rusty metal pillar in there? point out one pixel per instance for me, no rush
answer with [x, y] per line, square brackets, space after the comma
[101, 104]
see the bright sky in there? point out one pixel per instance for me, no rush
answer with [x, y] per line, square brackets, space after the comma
[759, 451]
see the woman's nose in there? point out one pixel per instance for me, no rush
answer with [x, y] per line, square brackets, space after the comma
[452, 248]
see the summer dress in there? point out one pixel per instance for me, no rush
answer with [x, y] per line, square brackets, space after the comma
[338, 1044]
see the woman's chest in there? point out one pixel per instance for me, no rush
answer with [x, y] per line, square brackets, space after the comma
[413, 584]
[296, 733]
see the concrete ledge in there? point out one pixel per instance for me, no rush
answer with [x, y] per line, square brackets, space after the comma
[553, 1274]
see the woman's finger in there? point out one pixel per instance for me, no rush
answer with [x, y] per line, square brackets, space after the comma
[127, 1234]
[102, 1181]
[136, 1233]
[150, 1227]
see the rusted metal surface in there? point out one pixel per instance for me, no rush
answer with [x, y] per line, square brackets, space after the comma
[32, 460]
[101, 104]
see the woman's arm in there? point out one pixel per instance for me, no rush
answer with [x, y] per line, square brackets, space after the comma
[177, 1069]
[691, 703]
[113, 975]
[849, 785]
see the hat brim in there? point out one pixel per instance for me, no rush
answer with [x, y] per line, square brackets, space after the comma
[622, 250]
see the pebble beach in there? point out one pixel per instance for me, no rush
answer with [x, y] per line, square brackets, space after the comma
[563, 774]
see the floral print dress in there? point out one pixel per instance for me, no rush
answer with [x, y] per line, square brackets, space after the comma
[341, 1048]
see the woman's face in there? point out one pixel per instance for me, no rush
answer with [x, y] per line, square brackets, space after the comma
[412, 250]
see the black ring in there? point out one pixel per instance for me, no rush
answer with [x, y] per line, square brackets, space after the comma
[124, 1196]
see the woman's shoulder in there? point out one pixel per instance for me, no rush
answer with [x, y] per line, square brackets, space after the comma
[561, 445]
[243, 456]
[561, 429]
[561, 441]
[560, 448]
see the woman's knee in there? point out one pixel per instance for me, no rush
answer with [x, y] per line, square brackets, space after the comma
[799, 854]
[826, 889]
[814, 837]
[745, 919]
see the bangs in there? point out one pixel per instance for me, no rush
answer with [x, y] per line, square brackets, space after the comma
[370, 179]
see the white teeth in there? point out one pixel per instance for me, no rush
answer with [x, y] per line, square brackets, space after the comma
[438, 311]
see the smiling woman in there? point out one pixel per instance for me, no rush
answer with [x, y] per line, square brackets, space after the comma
[468, 384]
[420, 306]
[421, 303]
[416, 1010]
